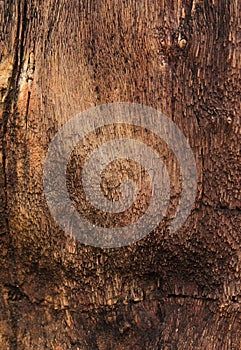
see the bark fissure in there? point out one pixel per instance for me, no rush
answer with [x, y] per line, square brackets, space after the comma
[9, 109]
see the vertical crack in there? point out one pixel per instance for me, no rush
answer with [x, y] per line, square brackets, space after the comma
[9, 109]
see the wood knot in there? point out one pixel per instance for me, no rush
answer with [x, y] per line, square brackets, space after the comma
[229, 120]
[182, 43]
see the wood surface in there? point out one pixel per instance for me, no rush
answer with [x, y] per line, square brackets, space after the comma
[167, 291]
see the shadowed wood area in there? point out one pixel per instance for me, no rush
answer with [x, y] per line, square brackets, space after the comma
[167, 291]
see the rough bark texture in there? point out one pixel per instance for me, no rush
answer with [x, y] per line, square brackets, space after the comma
[179, 291]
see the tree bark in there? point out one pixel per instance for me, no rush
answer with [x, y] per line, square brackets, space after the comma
[166, 291]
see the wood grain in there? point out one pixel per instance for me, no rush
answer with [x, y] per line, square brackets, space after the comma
[179, 291]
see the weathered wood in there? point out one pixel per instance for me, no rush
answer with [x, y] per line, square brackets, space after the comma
[179, 291]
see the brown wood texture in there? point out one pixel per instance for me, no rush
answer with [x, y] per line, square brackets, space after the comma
[167, 291]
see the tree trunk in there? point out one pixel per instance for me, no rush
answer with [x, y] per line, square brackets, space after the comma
[168, 290]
